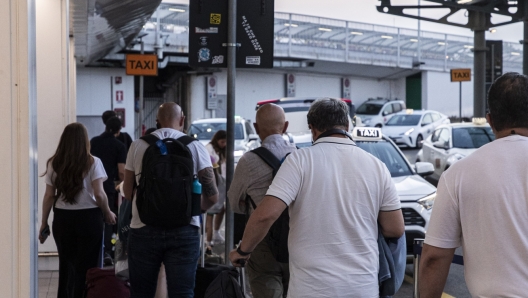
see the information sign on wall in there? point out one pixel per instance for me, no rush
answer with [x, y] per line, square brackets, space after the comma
[346, 88]
[290, 85]
[119, 96]
[211, 92]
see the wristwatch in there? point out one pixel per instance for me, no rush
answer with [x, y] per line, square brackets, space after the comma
[242, 253]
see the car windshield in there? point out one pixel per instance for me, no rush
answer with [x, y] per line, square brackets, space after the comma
[206, 131]
[389, 155]
[472, 137]
[404, 120]
[369, 108]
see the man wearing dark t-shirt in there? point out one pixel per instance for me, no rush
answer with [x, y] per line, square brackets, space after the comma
[113, 155]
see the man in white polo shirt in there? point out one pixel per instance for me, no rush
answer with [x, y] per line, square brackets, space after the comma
[337, 194]
[482, 205]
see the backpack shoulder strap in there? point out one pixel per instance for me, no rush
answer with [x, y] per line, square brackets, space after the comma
[268, 157]
[186, 140]
[150, 139]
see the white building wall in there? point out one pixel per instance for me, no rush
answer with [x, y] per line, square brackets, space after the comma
[253, 86]
[440, 94]
[96, 93]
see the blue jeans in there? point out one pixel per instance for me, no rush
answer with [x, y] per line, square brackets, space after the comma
[177, 248]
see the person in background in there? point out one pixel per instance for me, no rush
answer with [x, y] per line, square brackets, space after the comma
[482, 205]
[122, 136]
[113, 156]
[335, 211]
[217, 150]
[74, 189]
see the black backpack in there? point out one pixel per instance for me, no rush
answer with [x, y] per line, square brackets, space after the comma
[225, 285]
[277, 237]
[164, 194]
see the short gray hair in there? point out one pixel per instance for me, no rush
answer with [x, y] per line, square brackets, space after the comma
[328, 113]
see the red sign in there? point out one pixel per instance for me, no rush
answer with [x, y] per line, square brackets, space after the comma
[119, 96]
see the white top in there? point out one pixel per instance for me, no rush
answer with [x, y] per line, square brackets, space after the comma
[482, 204]
[85, 198]
[201, 160]
[334, 208]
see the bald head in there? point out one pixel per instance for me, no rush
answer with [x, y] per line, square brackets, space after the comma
[170, 115]
[270, 120]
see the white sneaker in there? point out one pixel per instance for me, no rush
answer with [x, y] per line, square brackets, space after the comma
[217, 238]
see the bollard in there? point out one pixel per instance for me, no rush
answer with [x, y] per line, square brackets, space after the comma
[417, 252]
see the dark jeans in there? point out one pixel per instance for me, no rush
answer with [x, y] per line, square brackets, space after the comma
[110, 229]
[178, 249]
[78, 235]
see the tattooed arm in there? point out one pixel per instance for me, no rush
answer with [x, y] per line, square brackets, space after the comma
[209, 189]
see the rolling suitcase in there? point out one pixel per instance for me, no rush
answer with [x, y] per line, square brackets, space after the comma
[103, 283]
[206, 273]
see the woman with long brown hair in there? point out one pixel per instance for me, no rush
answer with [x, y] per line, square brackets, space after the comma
[74, 189]
[217, 150]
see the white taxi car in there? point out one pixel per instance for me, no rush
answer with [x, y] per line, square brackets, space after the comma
[245, 137]
[450, 143]
[376, 112]
[416, 194]
[411, 127]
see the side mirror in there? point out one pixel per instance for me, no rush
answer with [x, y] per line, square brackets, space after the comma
[441, 145]
[253, 137]
[424, 168]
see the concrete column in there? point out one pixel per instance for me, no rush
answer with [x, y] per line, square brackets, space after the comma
[56, 96]
[18, 153]
[478, 21]
[525, 46]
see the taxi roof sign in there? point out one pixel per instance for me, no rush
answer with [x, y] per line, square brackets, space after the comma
[366, 133]
[479, 121]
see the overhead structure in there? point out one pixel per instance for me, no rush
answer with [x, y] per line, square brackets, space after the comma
[479, 14]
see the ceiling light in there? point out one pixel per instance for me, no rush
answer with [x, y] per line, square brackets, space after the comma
[291, 25]
[516, 54]
[386, 36]
[441, 43]
[413, 40]
[463, 1]
[176, 9]
[468, 46]
[493, 30]
[325, 29]
[356, 33]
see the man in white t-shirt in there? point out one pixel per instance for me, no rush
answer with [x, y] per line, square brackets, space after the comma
[337, 195]
[178, 248]
[482, 205]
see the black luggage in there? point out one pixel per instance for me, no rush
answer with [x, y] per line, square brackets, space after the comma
[226, 285]
[207, 273]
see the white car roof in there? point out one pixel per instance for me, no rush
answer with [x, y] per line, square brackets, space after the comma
[463, 124]
[416, 112]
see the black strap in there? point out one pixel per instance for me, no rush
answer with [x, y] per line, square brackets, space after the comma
[152, 139]
[334, 132]
[269, 158]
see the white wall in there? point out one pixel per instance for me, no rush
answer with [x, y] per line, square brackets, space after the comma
[440, 94]
[95, 94]
[253, 86]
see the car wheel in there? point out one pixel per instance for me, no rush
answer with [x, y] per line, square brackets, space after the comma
[378, 125]
[419, 141]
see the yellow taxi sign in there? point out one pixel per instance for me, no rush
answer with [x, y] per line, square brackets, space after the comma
[461, 75]
[366, 133]
[409, 111]
[479, 121]
[141, 65]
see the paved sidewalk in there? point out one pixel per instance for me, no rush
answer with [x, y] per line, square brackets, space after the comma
[48, 283]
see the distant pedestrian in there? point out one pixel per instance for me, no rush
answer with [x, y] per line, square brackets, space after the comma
[268, 277]
[217, 152]
[482, 205]
[337, 194]
[112, 153]
[74, 189]
[151, 245]
[121, 136]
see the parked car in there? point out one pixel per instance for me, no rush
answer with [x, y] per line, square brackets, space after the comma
[416, 194]
[452, 142]
[296, 109]
[411, 127]
[245, 137]
[376, 112]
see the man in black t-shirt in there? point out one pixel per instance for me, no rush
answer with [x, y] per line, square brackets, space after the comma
[113, 155]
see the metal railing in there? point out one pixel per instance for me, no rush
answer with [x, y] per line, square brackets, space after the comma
[316, 38]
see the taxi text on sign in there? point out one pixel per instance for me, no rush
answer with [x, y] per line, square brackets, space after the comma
[461, 75]
[141, 65]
